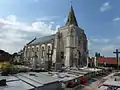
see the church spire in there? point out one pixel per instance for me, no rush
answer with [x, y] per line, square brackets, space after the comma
[71, 18]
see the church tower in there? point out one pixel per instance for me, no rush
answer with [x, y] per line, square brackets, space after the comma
[72, 43]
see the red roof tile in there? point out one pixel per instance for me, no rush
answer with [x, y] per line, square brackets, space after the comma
[107, 60]
[4, 58]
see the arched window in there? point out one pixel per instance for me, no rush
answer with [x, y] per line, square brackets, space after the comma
[48, 52]
[48, 49]
[43, 49]
[32, 49]
[37, 48]
[28, 52]
[25, 53]
[35, 54]
[62, 55]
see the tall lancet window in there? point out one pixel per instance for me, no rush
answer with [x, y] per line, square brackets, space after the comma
[37, 49]
[62, 55]
[43, 49]
[48, 49]
[49, 52]
[79, 56]
[32, 51]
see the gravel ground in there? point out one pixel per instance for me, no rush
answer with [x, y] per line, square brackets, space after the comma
[92, 84]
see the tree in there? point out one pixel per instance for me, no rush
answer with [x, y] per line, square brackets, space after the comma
[5, 68]
[12, 58]
[97, 54]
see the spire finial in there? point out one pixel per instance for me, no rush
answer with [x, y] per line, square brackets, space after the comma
[70, 2]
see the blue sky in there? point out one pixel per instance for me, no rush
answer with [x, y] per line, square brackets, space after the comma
[22, 20]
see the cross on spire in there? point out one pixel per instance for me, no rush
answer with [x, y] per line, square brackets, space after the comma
[71, 2]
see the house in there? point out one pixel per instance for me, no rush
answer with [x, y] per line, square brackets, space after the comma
[4, 57]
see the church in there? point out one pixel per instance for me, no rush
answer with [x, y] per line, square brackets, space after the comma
[68, 47]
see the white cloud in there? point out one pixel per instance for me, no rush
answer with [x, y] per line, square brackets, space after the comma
[118, 37]
[106, 40]
[116, 19]
[103, 46]
[14, 34]
[52, 22]
[65, 19]
[105, 6]
[11, 18]
[109, 49]
[57, 27]
[99, 40]
[104, 50]
[47, 18]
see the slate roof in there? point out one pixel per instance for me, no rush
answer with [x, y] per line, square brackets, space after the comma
[3, 53]
[42, 39]
[31, 41]
[4, 56]
[71, 18]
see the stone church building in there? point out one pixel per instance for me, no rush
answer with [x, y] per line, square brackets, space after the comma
[67, 47]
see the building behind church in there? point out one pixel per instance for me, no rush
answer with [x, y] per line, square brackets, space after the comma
[67, 47]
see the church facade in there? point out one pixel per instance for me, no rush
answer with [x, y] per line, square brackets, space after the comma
[67, 47]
